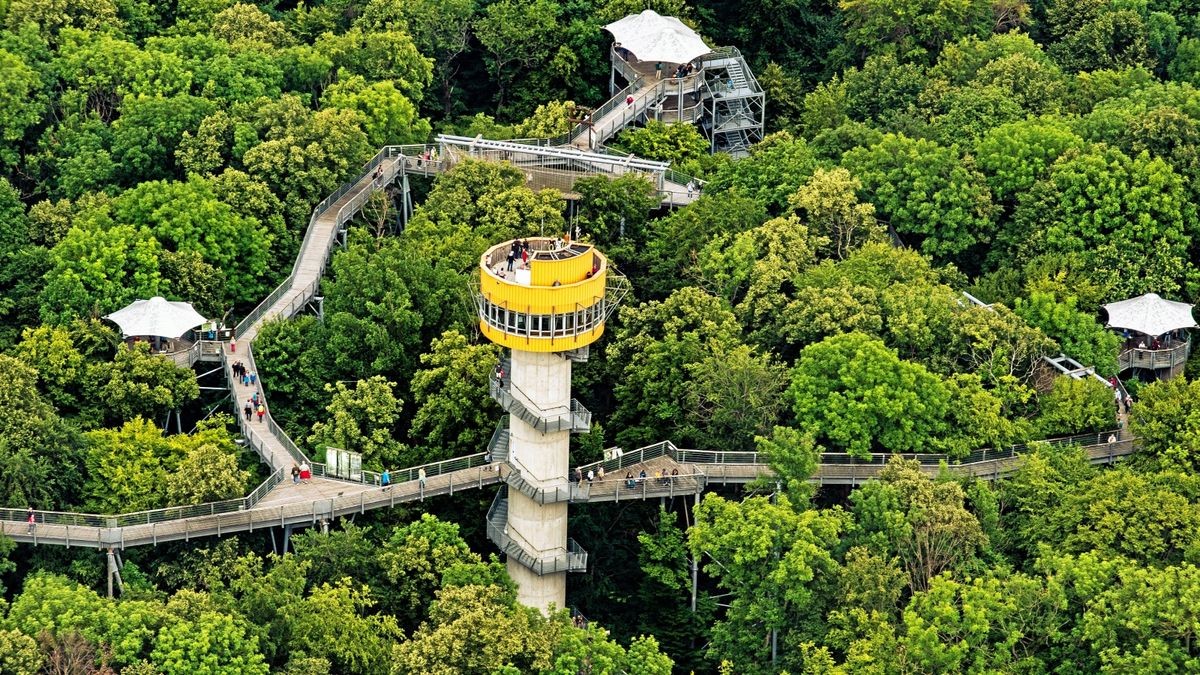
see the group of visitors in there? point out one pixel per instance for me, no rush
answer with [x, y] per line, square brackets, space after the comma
[1123, 400]
[255, 405]
[301, 473]
[1167, 340]
[592, 475]
[248, 377]
[684, 70]
[661, 478]
[518, 251]
[429, 157]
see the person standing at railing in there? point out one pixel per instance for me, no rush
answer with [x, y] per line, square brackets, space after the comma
[385, 478]
[32, 520]
[421, 478]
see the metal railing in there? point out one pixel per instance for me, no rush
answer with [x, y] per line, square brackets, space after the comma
[410, 474]
[573, 417]
[571, 558]
[498, 444]
[1154, 358]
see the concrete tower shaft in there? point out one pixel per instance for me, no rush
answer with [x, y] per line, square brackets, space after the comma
[546, 301]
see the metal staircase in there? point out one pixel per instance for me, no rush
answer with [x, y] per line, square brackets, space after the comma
[574, 418]
[570, 559]
[564, 491]
[723, 98]
[497, 448]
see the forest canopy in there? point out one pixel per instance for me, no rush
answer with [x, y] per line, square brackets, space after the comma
[946, 194]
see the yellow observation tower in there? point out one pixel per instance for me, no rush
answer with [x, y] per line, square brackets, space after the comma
[545, 300]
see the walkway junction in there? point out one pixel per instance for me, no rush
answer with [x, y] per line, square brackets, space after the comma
[540, 413]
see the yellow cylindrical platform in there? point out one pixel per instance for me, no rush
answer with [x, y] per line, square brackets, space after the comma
[553, 302]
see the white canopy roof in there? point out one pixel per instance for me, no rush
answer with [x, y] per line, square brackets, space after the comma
[653, 37]
[1150, 314]
[156, 316]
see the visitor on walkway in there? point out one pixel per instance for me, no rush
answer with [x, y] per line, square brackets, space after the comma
[629, 481]
[385, 478]
[691, 187]
[421, 478]
[629, 101]
[591, 475]
[32, 519]
[578, 476]
[248, 409]
[305, 472]
[232, 344]
[262, 410]
[641, 477]
[253, 377]
[254, 399]
[295, 475]
[600, 473]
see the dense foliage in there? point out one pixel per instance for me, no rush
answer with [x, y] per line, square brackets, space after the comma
[1044, 157]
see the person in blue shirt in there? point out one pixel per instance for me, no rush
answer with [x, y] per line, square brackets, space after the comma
[385, 478]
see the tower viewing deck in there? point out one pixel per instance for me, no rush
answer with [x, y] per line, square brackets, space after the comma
[548, 297]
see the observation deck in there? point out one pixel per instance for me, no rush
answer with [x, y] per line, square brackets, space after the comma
[556, 300]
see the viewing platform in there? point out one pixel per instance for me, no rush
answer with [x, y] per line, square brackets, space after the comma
[549, 297]
[1170, 356]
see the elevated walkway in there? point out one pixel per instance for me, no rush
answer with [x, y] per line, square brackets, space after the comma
[560, 163]
[277, 502]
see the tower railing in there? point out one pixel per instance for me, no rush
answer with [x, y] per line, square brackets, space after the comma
[1136, 357]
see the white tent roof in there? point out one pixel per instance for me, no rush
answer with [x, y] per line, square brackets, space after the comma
[156, 316]
[653, 37]
[1150, 314]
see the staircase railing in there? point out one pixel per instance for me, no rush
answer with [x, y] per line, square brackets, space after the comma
[571, 558]
[573, 417]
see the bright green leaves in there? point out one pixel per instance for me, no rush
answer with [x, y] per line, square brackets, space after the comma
[1166, 421]
[1131, 219]
[927, 193]
[447, 392]
[362, 419]
[854, 394]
